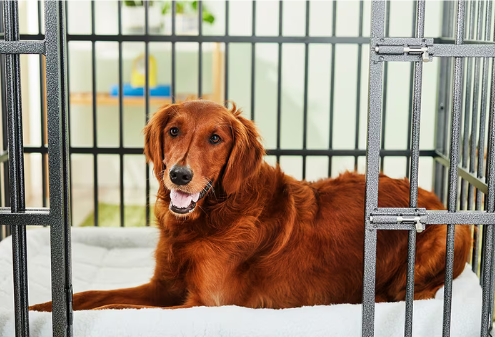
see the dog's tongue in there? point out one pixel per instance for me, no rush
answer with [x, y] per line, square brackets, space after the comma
[181, 199]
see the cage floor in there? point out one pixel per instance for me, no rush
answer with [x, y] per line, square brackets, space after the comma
[111, 258]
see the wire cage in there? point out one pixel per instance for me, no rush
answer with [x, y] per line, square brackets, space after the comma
[463, 159]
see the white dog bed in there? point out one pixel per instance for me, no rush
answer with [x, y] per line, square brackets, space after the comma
[112, 258]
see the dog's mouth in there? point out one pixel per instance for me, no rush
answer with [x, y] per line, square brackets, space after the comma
[183, 203]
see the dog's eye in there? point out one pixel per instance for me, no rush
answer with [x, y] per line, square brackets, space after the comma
[214, 139]
[174, 132]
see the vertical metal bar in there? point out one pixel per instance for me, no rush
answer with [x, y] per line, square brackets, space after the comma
[95, 139]
[467, 107]
[66, 186]
[58, 166]
[305, 99]
[16, 172]
[482, 128]
[147, 90]
[66, 52]
[42, 116]
[372, 171]
[472, 152]
[174, 10]
[358, 93]
[490, 199]
[486, 318]
[411, 76]
[413, 189]
[279, 76]
[5, 132]
[253, 59]
[3, 96]
[226, 80]
[385, 86]
[454, 160]
[449, 92]
[442, 104]
[332, 86]
[121, 117]
[488, 267]
[200, 49]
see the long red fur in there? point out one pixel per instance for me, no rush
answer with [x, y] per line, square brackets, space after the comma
[261, 238]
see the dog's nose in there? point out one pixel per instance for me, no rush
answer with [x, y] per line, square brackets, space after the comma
[181, 175]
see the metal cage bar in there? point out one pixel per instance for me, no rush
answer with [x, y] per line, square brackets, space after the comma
[16, 170]
[413, 189]
[305, 98]
[372, 170]
[253, 59]
[470, 34]
[473, 136]
[332, 86]
[279, 76]
[454, 159]
[59, 173]
[95, 119]
[58, 217]
[358, 80]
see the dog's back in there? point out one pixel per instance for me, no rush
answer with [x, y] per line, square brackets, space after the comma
[341, 220]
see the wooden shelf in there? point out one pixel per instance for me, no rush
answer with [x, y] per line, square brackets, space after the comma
[104, 99]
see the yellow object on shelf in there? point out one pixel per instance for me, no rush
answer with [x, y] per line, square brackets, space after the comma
[138, 75]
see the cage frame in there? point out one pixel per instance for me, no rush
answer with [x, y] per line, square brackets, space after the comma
[53, 45]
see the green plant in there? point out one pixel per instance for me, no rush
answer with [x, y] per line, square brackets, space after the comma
[180, 8]
[130, 3]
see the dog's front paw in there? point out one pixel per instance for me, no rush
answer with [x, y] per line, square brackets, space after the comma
[122, 306]
[45, 307]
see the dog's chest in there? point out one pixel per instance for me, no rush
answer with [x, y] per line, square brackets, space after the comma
[211, 277]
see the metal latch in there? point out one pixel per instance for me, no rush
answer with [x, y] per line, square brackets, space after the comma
[399, 50]
[399, 218]
[412, 219]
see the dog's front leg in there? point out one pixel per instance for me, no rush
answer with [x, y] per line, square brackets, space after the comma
[188, 304]
[150, 294]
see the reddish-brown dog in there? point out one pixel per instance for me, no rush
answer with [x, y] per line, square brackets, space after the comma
[237, 231]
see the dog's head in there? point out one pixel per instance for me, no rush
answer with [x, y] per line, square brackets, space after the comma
[198, 144]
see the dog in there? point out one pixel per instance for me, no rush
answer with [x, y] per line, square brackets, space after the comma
[237, 231]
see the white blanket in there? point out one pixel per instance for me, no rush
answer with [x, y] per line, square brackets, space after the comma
[112, 258]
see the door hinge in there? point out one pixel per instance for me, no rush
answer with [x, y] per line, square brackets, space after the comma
[399, 218]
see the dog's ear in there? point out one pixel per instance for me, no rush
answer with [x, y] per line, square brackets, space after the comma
[153, 138]
[246, 155]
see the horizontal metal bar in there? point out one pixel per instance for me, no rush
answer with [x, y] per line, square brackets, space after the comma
[480, 184]
[270, 152]
[22, 47]
[460, 218]
[31, 217]
[448, 40]
[381, 218]
[29, 210]
[401, 41]
[222, 38]
[89, 150]
[437, 50]
[452, 50]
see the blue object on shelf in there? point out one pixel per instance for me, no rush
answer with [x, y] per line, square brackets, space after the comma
[128, 90]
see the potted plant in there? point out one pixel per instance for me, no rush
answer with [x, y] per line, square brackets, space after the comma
[160, 16]
[133, 13]
[186, 17]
